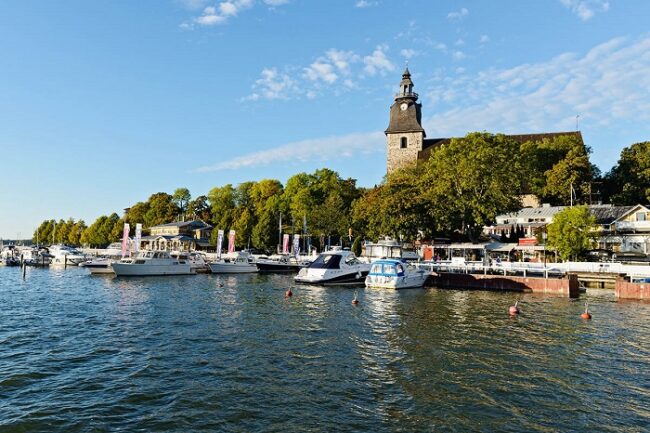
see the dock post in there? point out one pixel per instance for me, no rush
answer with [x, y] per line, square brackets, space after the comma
[24, 270]
[65, 261]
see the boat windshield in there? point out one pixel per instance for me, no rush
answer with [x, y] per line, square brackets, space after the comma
[326, 261]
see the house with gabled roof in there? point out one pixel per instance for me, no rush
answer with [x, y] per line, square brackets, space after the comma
[178, 236]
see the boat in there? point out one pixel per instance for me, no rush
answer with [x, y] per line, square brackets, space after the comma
[388, 248]
[150, 263]
[242, 263]
[196, 260]
[99, 265]
[10, 256]
[285, 263]
[334, 267]
[395, 274]
[65, 255]
[36, 257]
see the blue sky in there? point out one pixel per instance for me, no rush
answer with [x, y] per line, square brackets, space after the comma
[103, 103]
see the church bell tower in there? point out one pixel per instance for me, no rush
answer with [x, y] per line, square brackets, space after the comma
[404, 135]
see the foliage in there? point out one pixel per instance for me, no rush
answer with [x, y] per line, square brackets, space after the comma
[356, 246]
[628, 182]
[181, 199]
[572, 231]
[105, 230]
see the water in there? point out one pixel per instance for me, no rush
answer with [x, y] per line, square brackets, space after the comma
[210, 353]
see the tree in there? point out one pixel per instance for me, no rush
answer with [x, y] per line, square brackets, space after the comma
[162, 210]
[574, 171]
[222, 206]
[471, 180]
[628, 182]
[572, 232]
[181, 198]
[199, 208]
[137, 213]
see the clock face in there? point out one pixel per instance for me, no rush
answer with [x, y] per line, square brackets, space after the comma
[404, 106]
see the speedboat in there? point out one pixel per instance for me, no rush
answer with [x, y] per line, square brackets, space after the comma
[148, 263]
[100, 265]
[395, 274]
[334, 267]
[285, 263]
[65, 255]
[242, 263]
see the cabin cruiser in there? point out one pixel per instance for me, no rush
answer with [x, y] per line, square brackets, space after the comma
[148, 263]
[36, 257]
[284, 263]
[196, 260]
[395, 274]
[334, 267]
[99, 265]
[10, 256]
[243, 262]
[65, 255]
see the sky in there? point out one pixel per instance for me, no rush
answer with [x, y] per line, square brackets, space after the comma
[103, 103]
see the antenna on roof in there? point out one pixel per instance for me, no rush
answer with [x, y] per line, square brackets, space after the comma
[577, 122]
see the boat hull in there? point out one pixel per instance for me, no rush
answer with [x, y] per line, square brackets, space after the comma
[412, 281]
[232, 268]
[266, 267]
[149, 270]
[352, 278]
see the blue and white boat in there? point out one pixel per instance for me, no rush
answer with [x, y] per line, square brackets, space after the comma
[395, 274]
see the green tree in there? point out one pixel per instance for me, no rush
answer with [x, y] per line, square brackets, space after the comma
[628, 182]
[181, 198]
[575, 171]
[74, 235]
[572, 232]
[162, 210]
[199, 208]
[222, 206]
[469, 181]
[137, 213]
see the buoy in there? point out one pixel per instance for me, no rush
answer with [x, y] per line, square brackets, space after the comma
[355, 301]
[288, 293]
[514, 310]
[586, 315]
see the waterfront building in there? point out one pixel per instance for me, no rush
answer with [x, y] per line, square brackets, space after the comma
[406, 140]
[178, 236]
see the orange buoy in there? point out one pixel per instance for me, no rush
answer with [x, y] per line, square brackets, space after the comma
[288, 293]
[514, 310]
[586, 315]
[355, 301]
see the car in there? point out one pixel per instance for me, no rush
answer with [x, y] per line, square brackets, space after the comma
[630, 257]
[599, 255]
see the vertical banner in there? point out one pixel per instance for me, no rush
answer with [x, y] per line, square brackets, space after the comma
[125, 239]
[285, 244]
[231, 241]
[138, 236]
[219, 243]
[296, 245]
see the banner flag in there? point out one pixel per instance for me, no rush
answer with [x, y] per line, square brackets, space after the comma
[138, 236]
[125, 239]
[219, 243]
[296, 245]
[231, 241]
[285, 243]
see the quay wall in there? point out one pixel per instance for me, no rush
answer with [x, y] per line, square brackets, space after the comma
[566, 287]
[626, 290]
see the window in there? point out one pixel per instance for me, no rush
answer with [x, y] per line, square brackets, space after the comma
[640, 216]
[403, 143]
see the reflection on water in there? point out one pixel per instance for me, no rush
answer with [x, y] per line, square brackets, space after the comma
[230, 353]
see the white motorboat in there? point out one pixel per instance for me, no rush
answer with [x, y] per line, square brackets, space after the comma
[65, 255]
[100, 265]
[243, 262]
[334, 267]
[284, 263]
[37, 257]
[149, 263]
[395, 274]
[10, 256]
[196, 260]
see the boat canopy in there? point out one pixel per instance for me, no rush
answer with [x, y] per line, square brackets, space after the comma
[390, 268]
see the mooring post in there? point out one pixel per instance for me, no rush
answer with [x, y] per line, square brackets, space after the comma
[65, 261]
[24, 270]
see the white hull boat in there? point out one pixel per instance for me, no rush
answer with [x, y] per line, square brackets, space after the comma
[243, 263]
[100, 265]
[334, 268]
[64, 255]
[152, 263]
[395, 274]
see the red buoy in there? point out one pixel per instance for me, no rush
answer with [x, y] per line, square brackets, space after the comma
[355, 301]
[514, 310]
[586, 315]
[288, 293]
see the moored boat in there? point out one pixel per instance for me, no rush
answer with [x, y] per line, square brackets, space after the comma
[395, 274]
[196, 260]
[334, 267]
[284, 263]
[65, 255]
[100, 265]
[151, 263]
[242, 263]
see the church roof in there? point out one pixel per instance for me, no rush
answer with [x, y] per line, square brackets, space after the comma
[432, 143]
[405, 121]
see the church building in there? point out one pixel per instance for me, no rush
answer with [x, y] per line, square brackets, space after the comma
[406, 140]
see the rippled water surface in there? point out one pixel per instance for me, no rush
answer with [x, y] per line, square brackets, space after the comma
[210, 353]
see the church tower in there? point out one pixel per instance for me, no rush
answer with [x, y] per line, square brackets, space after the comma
[404, 135]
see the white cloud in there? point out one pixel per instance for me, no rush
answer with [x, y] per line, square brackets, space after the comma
[365, 4]
[484, 39]
[458, 55]
[607, 85]
[377, 62]
[222, 11]
[408, 53]
[318, 149]
[273, 85]
[586, 9]
[458, 15]
[342, 59]
[321, 71]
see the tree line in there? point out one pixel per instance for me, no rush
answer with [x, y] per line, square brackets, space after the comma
[463, 186]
